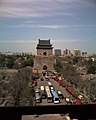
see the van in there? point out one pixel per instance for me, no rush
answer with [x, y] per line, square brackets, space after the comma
[42, 88]
[37, 90]
[43, 94]
[38, 98]
[60, 94]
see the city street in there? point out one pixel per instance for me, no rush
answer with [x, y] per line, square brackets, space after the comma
[56, 86]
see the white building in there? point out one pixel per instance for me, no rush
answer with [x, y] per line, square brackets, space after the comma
[67, 52]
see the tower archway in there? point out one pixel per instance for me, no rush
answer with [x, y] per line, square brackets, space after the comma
[44, 67]
[45, 53]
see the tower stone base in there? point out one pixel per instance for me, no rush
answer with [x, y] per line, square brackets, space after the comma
[42, 63]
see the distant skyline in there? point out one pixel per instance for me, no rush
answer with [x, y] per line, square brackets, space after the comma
[68, 24]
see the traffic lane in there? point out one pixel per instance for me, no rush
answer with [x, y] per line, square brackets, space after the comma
[44, 83]
[56, 86]
[62, 89]
[44, 101]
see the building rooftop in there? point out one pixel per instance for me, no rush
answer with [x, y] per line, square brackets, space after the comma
[44, 44]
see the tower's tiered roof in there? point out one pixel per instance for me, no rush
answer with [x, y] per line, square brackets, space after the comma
[44, 44]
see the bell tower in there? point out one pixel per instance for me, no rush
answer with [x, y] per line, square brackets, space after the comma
[44, 48]
[44, 60]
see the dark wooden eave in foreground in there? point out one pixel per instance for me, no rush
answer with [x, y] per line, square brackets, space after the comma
[44, 44]
[80, 112]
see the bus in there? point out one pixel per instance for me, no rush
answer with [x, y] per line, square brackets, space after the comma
[50, 84]
[70, 91]
[49, 96]
[55, 97]
[47, 88]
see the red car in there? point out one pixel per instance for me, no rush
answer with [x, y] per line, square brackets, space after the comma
[62, 84]
[77, 102]
[35, 83]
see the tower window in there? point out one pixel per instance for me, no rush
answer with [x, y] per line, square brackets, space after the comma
[44, 53]
[45, 67]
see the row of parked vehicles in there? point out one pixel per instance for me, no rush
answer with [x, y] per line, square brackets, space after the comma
[51, 94]
[77, 98]
[48, 92]
[58, 95]
[39, 95]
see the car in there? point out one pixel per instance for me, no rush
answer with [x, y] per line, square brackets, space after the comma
[37, 90]
[94, 99]
[71, 101]
[51, 88]
[35, 83]
[80, 96]
[47, 77]
[38, 98]
[43, 94]
[67, 99]
[42, 88]
[60, 94]
[61, 83]
[42, 79]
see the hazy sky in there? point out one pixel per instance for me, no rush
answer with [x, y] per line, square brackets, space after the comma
[67, 23]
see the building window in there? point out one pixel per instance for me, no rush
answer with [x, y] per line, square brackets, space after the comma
[44, 67]
[45, 53]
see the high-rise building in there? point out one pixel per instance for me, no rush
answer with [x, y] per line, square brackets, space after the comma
[67, 52]
[77, 52]
[84, 54]
[57, 52]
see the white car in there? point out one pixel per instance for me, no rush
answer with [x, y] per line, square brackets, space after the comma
[51, 88]
[42, 87]
[80, 96]
[37, 90]
[67, 99]
[47, 77]
[56, 101]
[60, 94]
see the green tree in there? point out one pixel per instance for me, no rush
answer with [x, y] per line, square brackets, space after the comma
[91, 70]
[58, 65]
[10, 61]
[91, 67]
[28, 62]
[2, 60]
[19, 88]
[76, 60]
